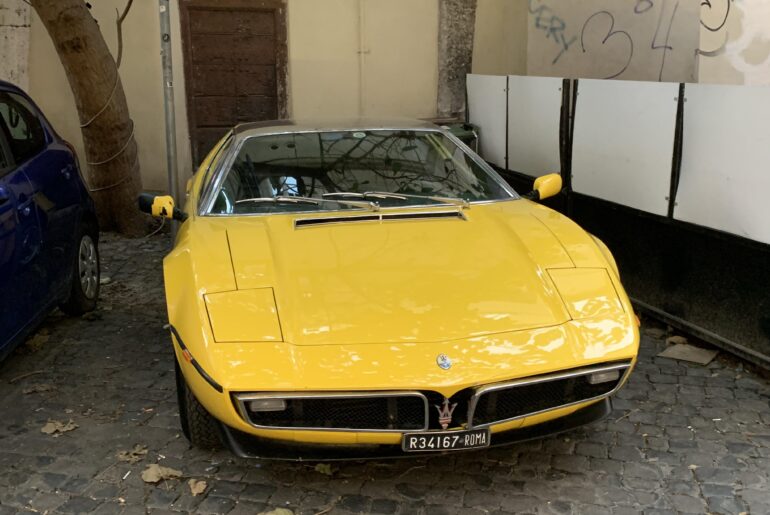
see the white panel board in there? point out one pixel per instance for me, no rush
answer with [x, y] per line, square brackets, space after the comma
[486, 108]
[624, 142]
[725, 178]
[534, 113]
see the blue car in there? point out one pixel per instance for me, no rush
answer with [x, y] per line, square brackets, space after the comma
[49, 234]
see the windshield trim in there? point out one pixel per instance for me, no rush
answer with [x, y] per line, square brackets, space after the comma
[336, 212]
[210, 174]
[208, 199]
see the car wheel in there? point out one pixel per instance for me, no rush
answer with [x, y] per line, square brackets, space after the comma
[198, 426]
[84, 288]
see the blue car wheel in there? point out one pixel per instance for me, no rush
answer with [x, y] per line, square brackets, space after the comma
[84, 290]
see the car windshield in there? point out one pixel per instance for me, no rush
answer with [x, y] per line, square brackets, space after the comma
[341, 170]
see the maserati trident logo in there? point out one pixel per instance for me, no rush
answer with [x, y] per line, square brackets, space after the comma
[443, 361]
[445, 413]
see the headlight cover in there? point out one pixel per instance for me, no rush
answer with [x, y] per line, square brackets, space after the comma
[244, 316]
[587, 292]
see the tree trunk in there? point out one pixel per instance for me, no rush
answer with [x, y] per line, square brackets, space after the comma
[111, 151]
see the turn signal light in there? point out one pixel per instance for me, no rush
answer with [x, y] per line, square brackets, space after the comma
[604, 377]
[267, 405]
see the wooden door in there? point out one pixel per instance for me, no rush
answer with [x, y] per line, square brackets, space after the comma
[235, 66]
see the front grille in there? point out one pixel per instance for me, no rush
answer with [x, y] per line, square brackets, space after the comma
[520, 400]
[366, 413]
[417, 411]
[460, 413]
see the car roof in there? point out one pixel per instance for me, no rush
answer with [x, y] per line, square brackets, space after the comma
[326, 125]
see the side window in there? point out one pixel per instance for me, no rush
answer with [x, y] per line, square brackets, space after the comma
[23, 129]
[5, 162]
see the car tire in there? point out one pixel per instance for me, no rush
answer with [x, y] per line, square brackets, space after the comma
[198, 426]
[84, 285]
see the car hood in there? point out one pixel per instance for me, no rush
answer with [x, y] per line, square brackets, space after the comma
[407, 281]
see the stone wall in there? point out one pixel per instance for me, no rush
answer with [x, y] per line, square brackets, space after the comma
[14, 41]
[457, 20]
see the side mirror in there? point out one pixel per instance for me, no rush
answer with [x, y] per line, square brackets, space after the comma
[160, 206]
[546, 187]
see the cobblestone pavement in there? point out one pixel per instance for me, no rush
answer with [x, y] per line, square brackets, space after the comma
[682, 438]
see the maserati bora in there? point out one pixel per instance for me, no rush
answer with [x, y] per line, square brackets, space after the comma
[374, 288]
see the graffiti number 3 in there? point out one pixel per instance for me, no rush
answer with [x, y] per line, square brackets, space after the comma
[611, 32]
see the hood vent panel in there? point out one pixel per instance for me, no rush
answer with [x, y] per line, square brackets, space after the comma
[393, 217]
[310, 222]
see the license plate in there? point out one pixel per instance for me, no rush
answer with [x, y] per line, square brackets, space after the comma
[446, 441]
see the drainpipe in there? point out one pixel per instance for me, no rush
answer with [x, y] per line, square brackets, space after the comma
[168, 105]
[362, 51]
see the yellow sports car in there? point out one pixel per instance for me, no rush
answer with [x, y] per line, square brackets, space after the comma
[374, 288]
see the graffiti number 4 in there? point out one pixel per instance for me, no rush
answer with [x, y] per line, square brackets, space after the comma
[665, 47]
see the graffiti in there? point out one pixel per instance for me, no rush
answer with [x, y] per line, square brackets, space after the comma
[636, 40]
[642, 6]
[735, 42]
[721, 19]
[665, 47]
[714, 17]
[553, 26]
[611, 32]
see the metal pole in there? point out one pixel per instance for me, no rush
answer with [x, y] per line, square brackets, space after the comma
[361, 58]
[168, 104]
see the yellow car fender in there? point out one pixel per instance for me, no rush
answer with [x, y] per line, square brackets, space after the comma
[607, 255]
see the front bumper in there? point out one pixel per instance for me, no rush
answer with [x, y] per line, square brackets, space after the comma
[281, 369]
[248, 446]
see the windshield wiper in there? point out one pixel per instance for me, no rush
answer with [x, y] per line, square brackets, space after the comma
[371, 206]
[402, 196]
